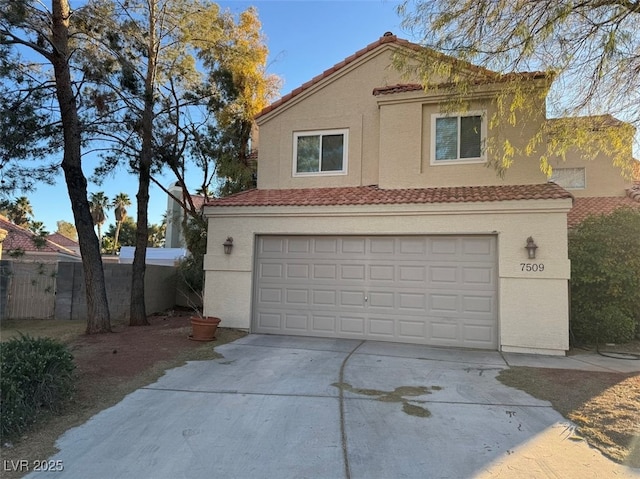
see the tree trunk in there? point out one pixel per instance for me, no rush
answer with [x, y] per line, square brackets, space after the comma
[117, 237]
[138, 314]
[98, 320]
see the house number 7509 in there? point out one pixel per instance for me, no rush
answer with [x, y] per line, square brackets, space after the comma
[535, 267]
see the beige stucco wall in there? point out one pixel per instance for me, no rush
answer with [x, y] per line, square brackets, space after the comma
[405, 147]
[389, 135]
[343, 101]
[602, 177]
[533, 306]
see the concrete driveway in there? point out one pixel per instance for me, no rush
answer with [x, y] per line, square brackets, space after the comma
[285, 407]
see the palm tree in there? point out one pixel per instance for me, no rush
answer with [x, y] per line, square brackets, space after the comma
[120, 203]
[98, 203]
[20, 211]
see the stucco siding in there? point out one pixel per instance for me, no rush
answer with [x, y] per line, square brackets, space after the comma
[537, 322]
[603, 178]
[229, 278]
[405, 149]
[389, 136]
[343, 101]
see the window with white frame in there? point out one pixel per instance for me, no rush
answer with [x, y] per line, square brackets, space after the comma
[320, 152]
[570, 178]
[458, 138]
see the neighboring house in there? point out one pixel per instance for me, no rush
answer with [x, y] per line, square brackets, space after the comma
[157, 256]
[375, 217]
[174, 238]
[65, 242]
[23, 245]
[597, 185]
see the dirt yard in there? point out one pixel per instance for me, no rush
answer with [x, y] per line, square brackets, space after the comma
[606, 407]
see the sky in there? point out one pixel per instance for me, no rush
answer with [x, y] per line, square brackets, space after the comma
[304, 39]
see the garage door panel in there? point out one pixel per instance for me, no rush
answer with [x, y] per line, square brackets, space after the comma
[381, 300]
[412, 246]
[322, 323]
[325, 271]
[443, 303]
[424, 290]
[382, 272]
[352, 272]
[478, 334]
[352, 298]
[412, 274]
[299, 322]
[443, 247]
[382, 246]
[352, 325]
[353, 246]
[443, 331]
[268, 270]
[270, 295]
[384, 327]
[413, 302]
[324, 297]
[298, 245]
[297, 296]
[477, 275]
[443, 274]
[298, 271]
[269, 321]
[478, 248]
[325, 245]
[478, 305]
[412, 331]
[272, 245]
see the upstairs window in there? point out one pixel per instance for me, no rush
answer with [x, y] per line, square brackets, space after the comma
[458, 138]
[320, 152]
[569, 178]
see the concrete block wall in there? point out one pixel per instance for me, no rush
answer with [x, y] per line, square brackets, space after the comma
[160, 290]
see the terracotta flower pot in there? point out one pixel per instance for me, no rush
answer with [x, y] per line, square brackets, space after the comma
[204, 328]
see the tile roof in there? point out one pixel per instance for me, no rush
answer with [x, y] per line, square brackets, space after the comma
[19, 238]
[387, 38]
[595, 206]
[62, 240]
[595, 121]
[407, 87]
[372, 195]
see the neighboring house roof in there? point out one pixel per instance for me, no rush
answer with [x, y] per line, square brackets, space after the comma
[62, 240]
[390, 38]
[596, 121]
[21, 239]
[595, 206]
[372, 195]
[198, 201]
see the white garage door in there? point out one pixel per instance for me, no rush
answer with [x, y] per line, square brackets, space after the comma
[435, 290]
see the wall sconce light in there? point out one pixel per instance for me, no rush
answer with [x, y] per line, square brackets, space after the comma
[228, 245]
[531, 248]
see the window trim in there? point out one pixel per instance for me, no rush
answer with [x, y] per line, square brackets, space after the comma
[584, 177]
[483, 138]
[345, 148]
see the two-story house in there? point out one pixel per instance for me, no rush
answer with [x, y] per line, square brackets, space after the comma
[375, 217]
